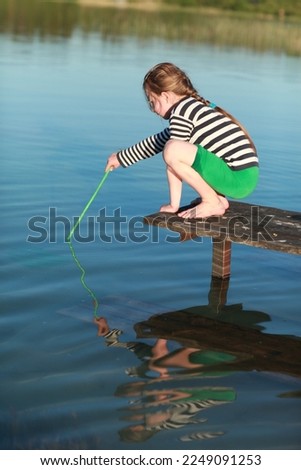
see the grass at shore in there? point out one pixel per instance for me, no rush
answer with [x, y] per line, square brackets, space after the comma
[206, 26]
[265, 9]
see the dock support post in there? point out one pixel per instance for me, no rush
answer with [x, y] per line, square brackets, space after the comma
[221, 258]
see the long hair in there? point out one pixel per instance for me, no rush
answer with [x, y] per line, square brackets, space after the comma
[168, 77]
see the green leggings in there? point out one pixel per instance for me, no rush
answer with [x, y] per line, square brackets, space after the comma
[236, 184]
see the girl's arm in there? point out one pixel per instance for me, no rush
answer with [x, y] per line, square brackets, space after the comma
[144, 149]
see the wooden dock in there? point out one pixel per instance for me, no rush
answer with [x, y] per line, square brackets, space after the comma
[247, 224]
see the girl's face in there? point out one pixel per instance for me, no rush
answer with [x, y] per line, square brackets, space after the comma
[160, 104]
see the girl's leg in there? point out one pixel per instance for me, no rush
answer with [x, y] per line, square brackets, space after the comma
[175, 191]
[179, 156]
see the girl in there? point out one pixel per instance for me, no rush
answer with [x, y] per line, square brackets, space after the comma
[204, 146]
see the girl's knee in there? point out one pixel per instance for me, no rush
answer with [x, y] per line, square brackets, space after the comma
[179, 151]
[170, 151]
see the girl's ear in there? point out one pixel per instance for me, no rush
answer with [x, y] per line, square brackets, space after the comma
[165, 96]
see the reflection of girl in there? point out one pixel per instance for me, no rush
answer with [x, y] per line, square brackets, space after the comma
[185, 404]
[175, 407]
[158, 359]
[203, 146]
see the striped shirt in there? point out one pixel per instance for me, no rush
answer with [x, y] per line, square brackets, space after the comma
[192, 121]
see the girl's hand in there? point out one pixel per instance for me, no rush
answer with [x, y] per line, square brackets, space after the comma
[112, 162]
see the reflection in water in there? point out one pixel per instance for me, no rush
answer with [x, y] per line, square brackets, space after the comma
[160, 362]
[218, 323]
[61, 19]
[167, 390]
[174, 408]
[167, 408]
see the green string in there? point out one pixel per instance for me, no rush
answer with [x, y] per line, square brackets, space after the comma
[82, 279]
[88, 204]
[83, 272]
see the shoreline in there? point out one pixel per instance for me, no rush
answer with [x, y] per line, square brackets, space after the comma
[154, 6]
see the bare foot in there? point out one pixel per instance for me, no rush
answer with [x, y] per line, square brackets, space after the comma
[204, 210]
[224, 201]
[168, 208]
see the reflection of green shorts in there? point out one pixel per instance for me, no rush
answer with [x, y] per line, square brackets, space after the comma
[209, 358]
[217, 394]
[232, 183]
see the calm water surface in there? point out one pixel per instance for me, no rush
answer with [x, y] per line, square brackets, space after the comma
[66, 105]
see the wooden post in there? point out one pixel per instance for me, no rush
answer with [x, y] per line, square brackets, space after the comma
[221, 258]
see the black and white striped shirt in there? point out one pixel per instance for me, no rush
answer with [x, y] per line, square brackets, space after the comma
[192, 121]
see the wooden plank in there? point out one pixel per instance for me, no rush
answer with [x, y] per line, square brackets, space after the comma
[247, 224]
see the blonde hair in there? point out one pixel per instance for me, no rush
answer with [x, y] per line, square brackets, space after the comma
[168, 77]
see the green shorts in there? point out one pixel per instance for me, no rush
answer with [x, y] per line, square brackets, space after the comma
[236, 184]
[216, 394]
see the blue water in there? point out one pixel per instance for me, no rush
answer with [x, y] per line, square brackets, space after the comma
[66, 104]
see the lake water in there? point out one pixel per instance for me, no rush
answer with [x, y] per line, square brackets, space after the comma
[67, 102]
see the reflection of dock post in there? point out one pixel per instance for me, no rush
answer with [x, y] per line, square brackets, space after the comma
[221, 258]
[217, 297]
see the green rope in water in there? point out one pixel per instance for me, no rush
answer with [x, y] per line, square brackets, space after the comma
[82, 279]
[83, 272]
